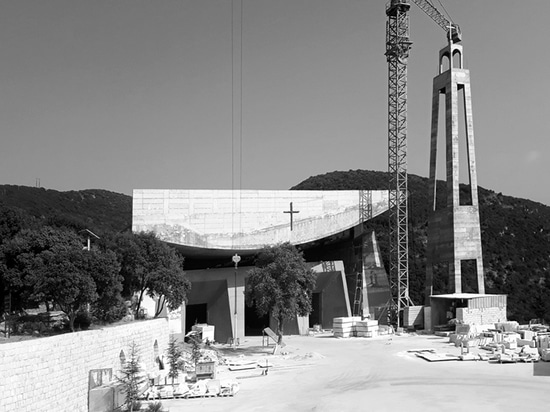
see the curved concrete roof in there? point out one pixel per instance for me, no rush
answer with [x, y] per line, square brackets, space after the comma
[247, 220]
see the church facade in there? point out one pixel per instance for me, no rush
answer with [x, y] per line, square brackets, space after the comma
[210, 227]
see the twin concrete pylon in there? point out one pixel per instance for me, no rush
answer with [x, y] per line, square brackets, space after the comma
[454, 233]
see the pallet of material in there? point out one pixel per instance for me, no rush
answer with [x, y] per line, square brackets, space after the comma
[241, 365]
[343, 327]
[362, 328]
[371, 334]
[346, 327]
[437, 357]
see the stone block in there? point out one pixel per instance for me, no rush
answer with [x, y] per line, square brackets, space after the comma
[362, 329]
[462, 329]
[526, 342]
[545, 355]
[511, 345]
[367, 322]
[527, 334]
[370, 334]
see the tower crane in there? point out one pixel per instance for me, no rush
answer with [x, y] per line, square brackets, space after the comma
[398, 45]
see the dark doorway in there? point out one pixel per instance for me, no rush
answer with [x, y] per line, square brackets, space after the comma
[468, 269]
[195, 314]
[253, 323]
[315, 315]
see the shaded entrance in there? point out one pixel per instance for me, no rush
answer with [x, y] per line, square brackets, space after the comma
[315, 315]
[253, 323]
[195, 314]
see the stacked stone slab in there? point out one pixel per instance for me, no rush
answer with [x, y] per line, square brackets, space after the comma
[366, 328]
[346, 327]
[343, 327]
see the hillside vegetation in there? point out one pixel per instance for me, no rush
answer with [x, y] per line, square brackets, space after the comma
[515, 232]
[96, 210]
[47, 260]
[515, 239]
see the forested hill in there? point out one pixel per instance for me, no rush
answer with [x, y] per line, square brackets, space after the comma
[515, 232]
[515, 239]
[94, 209]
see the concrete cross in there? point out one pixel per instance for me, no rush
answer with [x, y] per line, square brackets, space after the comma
[291, 212]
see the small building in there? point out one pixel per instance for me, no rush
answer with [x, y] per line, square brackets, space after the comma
[468, 308]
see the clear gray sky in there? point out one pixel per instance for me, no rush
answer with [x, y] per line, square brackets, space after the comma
[124, 94]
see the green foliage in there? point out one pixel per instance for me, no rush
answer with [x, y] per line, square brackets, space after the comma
[49, 265]
[174, 354]
[96, 210]
[154, 407]
[196, 352]
[131, 378]
[41, 257]
[105, 270]
[281, 284]
[82, 320]
[12, 221]
[150, 266]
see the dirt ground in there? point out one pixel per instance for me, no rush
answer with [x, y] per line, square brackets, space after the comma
[324, 373]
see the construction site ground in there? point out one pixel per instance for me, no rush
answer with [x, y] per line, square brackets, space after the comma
[324, 373]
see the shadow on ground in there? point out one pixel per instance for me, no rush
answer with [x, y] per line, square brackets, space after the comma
[245, 350]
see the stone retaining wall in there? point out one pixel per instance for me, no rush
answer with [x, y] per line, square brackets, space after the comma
[51, 374]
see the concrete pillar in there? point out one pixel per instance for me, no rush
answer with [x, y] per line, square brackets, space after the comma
[235, 291]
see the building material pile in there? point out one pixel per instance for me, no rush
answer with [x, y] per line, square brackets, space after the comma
[508, 342]
[366, 328]
[346, 327]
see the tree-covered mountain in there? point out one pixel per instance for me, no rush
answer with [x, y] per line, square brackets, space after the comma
[515, 239]
[515, 232]
[94, 209]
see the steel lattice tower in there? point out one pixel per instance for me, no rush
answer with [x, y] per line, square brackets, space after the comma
[397, 53]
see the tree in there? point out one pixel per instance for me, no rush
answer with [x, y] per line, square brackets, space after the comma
[174, 353]
[63, 276]
[49, 265]
[132, 378]
[12, 221]
[150, 266]
[21, 261]
[105, 270]
[281, 284]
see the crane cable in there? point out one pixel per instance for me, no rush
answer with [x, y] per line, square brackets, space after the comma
[445, 10]
[236, 119]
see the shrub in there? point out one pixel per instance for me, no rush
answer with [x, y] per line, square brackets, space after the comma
[83, 320]
[154, 407]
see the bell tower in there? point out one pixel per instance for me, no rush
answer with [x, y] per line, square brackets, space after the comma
[454, 234]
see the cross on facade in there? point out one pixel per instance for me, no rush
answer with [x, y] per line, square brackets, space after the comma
[291, 212]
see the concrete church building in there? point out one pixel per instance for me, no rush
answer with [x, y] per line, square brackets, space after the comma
[210, 227]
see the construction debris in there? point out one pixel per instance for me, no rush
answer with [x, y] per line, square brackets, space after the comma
[505, 342]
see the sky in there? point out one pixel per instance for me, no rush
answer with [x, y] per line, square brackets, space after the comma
[143, 94]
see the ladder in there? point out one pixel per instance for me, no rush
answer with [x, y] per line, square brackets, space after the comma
[357, 298]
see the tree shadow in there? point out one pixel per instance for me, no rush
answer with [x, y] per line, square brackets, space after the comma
[245, 350]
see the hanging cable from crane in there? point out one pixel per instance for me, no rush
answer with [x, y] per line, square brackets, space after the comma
[236, 103]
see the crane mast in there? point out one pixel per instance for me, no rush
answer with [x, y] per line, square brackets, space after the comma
[398, 45]
[397, 53]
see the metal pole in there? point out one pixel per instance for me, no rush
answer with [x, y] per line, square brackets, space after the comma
[235, 311]
[236, 259]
